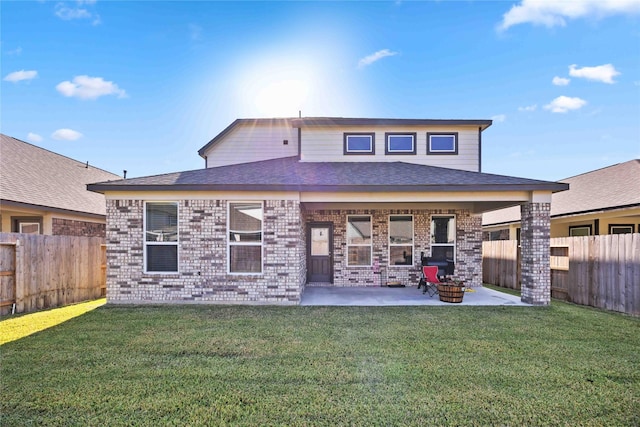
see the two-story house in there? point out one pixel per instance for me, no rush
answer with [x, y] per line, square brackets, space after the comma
[284, 203]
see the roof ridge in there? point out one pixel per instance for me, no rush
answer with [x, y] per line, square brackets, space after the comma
[600, 169]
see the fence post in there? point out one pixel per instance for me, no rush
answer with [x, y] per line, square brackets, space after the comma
[19, 277]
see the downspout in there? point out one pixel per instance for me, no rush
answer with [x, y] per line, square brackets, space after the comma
[480, 149]
[299, 143]
[205, 162]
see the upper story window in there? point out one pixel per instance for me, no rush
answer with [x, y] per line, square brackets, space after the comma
[161, 237]
[400, 143]
[359, 143]
[245, 237]
[442, 143]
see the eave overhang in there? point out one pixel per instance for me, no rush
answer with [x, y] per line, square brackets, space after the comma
[552, 187]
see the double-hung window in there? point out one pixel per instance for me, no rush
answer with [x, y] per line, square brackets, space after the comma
[359, 240]
[245, 237]
[400, 240]
[161, 237]
[443, 237]
[442, 143]
[359, 143]
[400, 143]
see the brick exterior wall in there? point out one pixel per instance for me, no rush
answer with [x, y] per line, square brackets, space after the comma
[535, 261]
[69, 227]
[202, 253]
[468, 265]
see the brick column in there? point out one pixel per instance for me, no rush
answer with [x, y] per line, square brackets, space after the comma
[534, 237]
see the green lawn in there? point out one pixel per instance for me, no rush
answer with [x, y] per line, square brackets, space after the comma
[233, 365]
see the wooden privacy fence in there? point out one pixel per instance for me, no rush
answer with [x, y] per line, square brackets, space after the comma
[599, 271]
[39, 271]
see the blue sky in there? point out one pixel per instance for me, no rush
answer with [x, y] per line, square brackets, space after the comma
[143, 85]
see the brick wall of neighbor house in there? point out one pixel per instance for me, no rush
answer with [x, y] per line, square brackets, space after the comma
[535, 261]
[69, 227]
[202, 255]
[468, 250]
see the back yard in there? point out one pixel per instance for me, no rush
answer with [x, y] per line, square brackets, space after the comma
[228, 365]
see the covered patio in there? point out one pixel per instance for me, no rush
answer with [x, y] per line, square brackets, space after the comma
[410, 295]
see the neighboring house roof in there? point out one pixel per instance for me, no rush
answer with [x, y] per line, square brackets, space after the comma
[289, 174]
[340, 121]
[31, 176]
[613, 187]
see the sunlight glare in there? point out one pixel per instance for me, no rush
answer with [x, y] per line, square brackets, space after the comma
[282, 98]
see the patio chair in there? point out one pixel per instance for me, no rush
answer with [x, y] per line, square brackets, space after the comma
[429, 280]
[445, 266]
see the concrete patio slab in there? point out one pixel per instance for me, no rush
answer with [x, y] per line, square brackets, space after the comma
[410, 295]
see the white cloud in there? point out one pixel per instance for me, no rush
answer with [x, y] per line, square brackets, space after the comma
[560, 81]
[499, 118]
[17, 76]
[68, 13]
[551, 13]
[34, 137]
[66, 135]
[370, 59]
[528, 108]
[85, 87]
[563, 104]
[601, 73]
[16, 51]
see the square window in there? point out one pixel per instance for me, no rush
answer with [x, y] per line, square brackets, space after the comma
[401, 143]
[359, 143]
[442, 143]
[162, 258]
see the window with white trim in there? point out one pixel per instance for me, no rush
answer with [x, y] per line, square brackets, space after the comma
[442, 143]
[359, 143]
[401, 240]
[400, 143]
[245, 237]
[620, 228]
[443, 237]
[161, 237]
[580, 230]
[359, 240]
[27, 224]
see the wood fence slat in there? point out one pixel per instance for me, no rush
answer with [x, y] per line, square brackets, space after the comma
[49, 271]
[604, 271]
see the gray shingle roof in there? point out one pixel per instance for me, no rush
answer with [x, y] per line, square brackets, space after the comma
[289, 174]
[31, 175]
[613, 187]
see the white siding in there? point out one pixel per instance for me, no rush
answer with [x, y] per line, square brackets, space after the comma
[252, 143]
[325, 144]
